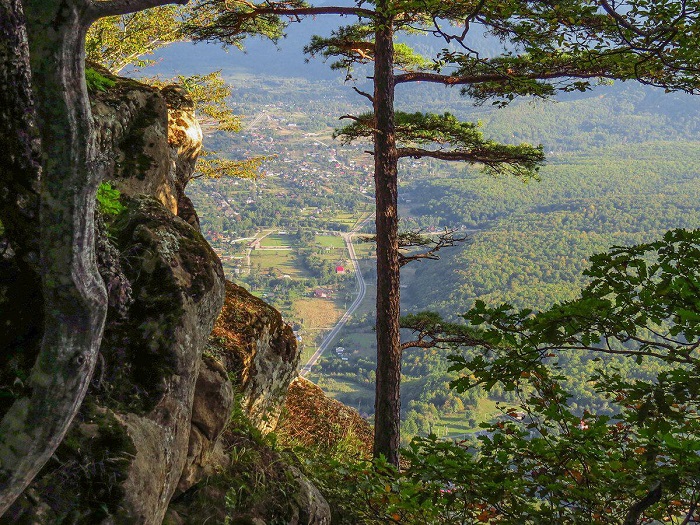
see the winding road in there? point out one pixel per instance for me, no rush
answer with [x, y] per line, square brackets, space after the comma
[361, 290]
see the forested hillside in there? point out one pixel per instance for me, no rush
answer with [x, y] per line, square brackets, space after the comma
[533, 240]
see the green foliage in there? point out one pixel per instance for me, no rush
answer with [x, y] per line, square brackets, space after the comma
[96, 81]
[255, 482]
[210, 94]
[231, 22]
[120, 41]
[108, 199]
[362, 492]
[350, 45]
[560, 464]
[354, 44]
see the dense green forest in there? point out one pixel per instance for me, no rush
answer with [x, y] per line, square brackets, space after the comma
[533, 240]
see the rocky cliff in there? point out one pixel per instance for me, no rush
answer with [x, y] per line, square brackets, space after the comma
[156, 428]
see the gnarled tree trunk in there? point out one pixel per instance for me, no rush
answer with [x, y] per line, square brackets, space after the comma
[73, 292]
[74, 296]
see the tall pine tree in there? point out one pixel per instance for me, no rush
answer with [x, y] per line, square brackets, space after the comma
[547, 46]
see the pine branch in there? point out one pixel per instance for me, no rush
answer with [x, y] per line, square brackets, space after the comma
[432, 331]
[483, 157]
[455, 80]
[311, 11]
[364, 94]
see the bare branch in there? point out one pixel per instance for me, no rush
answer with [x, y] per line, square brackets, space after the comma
[350, 117]
[619, 19]
[691, 512]
[612, 351]
[416, 239]
[364, 94]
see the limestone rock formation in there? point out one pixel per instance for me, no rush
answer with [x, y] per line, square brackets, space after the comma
[153, 358]
[185, 141]
[308, 505]
[126, 451]
[253, 352]
[211, 409]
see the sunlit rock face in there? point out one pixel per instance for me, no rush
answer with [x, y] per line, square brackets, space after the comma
[151, 139]
[185, 142]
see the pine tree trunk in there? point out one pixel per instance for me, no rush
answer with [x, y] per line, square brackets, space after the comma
[387, 404]
[74, 295]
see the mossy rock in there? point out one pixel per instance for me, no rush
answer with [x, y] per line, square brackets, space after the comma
[169, 265]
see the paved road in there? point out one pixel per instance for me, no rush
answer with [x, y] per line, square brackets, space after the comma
[361, 290]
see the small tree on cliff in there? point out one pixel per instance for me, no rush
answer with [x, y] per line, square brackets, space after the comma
[550, 46]
[118, 42]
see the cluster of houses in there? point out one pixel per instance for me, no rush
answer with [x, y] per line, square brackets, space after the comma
[340, 352]
[323, 293]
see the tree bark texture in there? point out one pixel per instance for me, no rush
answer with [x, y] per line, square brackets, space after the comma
[74, 295]
[19, 140]
[387, 404]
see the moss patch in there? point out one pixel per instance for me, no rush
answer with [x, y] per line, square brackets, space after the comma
[96, 81]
